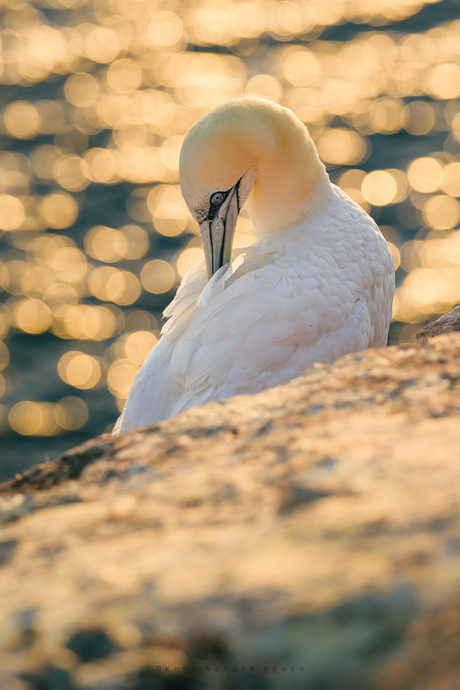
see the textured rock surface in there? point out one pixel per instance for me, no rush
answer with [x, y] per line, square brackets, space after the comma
[313, 528]
[448, 323]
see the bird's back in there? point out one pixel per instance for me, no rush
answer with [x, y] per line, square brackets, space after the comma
[308, 293]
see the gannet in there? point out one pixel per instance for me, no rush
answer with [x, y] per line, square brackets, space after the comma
[317, 283]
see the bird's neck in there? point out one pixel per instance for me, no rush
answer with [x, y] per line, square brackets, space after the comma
[291, 183]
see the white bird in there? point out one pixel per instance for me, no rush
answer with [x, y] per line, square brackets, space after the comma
[317, 284]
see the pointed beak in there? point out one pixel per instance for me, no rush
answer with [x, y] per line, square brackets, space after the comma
[217, 233]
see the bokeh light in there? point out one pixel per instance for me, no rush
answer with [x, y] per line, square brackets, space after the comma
[32, 315]
[79, 369]
[342, 147]
[33, 419]
[71, 413]
[95, 235]
[138, 344]
[425, 174]
[21, 120]
[59, 210]
[4, 356]
[418, 118]
[69, 171]
[187, 259]
[12, 212]
[264, 86]
[157, 276]
[121, 287]
[166, 29]
[81, 89]
[120, 377]
[379, 188]
[48, 419]
[442, 212]
[124, 76]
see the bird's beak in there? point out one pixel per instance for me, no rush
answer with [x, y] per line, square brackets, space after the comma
[217, 233]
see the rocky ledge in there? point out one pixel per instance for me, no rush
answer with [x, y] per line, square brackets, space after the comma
[305, 537]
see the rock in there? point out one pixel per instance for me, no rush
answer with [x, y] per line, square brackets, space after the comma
[13, 507]
[448, 323]
[304, 537]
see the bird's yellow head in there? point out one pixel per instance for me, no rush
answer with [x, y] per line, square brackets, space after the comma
[247, 149]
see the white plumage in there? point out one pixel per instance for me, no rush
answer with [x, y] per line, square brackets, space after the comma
[306, 291]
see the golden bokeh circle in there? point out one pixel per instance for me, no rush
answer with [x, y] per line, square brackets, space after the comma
[79, 369]
[442, 212]
[138, 345]
[264, 86]
[32, 316]
[71, 413]
[120, 377]
[21, 119]
[379, 188]
[425, 174]
[12, 212]
[4, 356]
[157, 276]
[59, 210]
[81, 89]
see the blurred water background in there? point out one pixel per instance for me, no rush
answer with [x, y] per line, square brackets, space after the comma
[95, 99]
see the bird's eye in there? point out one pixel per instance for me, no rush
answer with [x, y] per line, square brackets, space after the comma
[217, 198]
